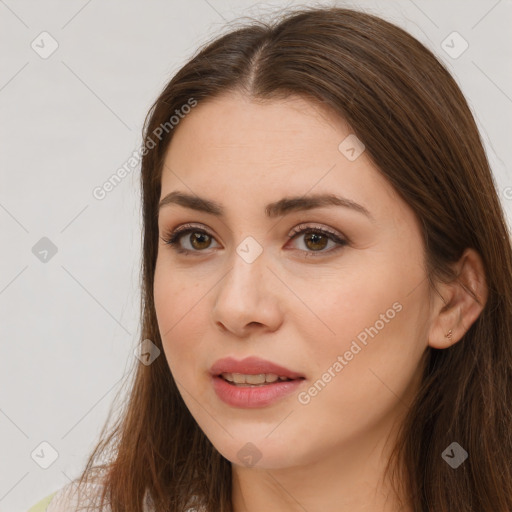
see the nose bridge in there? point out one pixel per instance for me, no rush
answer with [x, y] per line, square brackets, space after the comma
[248, 266]
[245, 295]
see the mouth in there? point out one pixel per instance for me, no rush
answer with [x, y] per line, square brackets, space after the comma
[251, 370]
[254, 380]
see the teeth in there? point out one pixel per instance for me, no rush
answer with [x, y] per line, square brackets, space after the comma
[261, 378]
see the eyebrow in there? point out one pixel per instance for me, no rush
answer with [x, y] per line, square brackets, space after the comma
[272, 210]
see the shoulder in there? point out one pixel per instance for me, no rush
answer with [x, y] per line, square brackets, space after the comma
[71, 498]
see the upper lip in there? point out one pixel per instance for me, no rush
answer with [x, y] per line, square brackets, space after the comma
[251, 366]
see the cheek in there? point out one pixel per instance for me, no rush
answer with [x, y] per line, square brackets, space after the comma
[364, 338]
[340, 306]
[176, 297]
[180, 310]
[371, 366]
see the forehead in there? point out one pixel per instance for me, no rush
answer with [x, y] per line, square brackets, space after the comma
[236, 126]
[239, 149]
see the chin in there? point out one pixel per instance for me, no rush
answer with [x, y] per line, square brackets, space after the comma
[258, 453]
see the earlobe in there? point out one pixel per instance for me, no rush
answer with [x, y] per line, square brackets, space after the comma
[459, 303]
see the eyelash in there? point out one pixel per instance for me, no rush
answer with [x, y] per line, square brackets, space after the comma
[172, 238]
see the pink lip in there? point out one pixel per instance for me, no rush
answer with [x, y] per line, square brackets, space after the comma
[251, 366]
[247, 396]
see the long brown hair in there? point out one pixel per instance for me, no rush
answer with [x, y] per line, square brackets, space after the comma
[418, 130]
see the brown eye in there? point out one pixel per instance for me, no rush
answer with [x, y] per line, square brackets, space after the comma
[200, 240]
[196, 242]
[315, 241]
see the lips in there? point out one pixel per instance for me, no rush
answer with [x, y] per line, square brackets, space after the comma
[252, 366]
[253, 382]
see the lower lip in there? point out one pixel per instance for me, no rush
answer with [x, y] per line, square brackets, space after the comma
[253, 396]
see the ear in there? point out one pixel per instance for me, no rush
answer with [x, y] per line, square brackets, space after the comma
[454, 306]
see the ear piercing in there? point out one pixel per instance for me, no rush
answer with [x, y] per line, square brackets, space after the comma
[448, 335]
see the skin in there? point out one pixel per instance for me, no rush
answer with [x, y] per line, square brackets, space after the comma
[299, 311]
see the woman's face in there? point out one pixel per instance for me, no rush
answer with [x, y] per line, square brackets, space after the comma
[335, 293]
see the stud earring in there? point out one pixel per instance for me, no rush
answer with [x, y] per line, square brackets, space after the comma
[448, 334]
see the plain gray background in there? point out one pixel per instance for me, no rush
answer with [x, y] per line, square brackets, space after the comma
[69, 325]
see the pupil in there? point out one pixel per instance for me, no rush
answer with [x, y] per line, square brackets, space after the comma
[196, 237]
[313, 237]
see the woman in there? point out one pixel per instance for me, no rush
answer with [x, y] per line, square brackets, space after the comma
[327, 273]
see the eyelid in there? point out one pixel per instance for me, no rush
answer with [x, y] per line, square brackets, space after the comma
[189, 225]
[305, 226]
[294, 231]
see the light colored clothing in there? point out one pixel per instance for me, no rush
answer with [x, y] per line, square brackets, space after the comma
[69, 497]
[42, 506]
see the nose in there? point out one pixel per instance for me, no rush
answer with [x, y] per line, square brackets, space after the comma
[247, 298]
